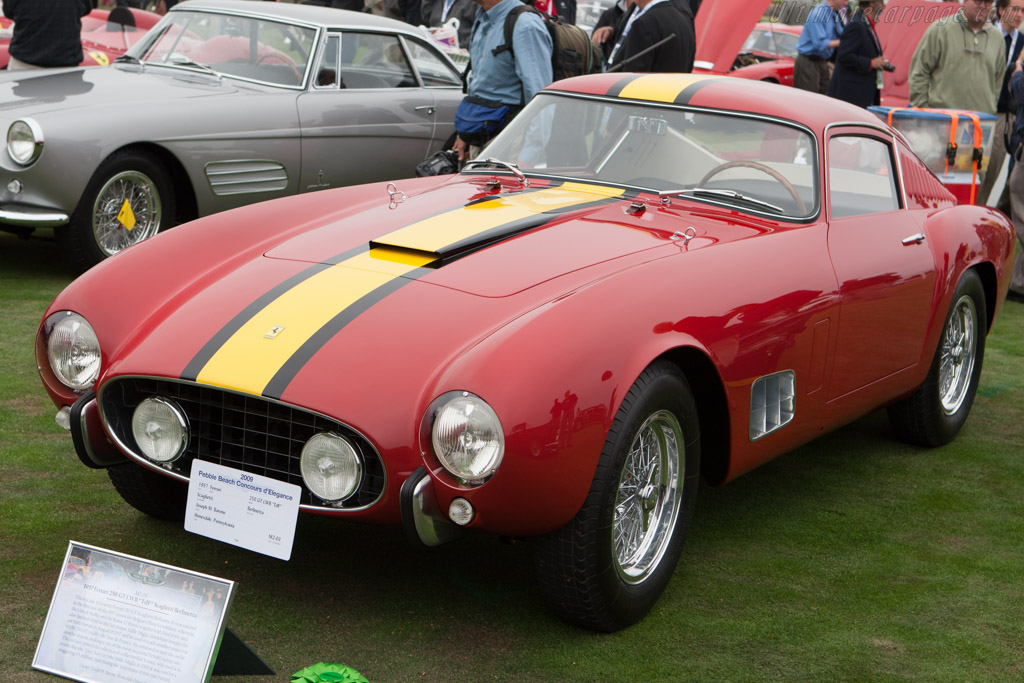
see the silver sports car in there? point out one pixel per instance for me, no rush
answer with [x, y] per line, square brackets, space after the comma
[222, 103]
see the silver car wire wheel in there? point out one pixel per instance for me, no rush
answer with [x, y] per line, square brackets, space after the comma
[648, 499]
[141, 195]
[957, 356]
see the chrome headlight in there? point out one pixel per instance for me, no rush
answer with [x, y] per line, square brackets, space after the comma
[73, 350]
[467, 436]
[160, 429]
[331, 467]
[25, 141]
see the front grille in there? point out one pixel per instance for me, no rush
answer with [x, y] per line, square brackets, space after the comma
[248, 433]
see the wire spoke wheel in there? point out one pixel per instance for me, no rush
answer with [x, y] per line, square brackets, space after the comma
[934, 414]
[127, 210]
[647, 502]
[957, 355]
[607, 567]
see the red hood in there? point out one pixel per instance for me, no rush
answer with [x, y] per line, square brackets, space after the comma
[722, 26]
[349, 254]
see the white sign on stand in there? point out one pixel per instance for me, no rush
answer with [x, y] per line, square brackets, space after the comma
[243, 509]
[115, 618]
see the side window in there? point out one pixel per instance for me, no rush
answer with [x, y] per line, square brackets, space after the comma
[374, 60]
[861, 176]
[433, 70]
[329, 66]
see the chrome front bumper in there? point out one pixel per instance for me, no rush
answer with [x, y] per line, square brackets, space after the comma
[31, 217]
[423, 520]
[92, 446]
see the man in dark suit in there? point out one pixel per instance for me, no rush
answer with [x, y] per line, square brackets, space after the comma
[858, 74]
[654, 21]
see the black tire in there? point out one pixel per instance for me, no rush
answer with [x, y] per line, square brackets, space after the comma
[155, 494]
[95, 230]
[586, 576]
[934, 414]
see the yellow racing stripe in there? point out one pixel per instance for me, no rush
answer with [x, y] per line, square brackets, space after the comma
[252, 356]
[662, 87]
[454, 226]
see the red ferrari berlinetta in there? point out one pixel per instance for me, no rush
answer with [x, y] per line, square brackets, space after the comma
[642, 280]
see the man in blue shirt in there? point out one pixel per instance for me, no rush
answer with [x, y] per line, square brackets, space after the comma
[511, 77]
[816, 47]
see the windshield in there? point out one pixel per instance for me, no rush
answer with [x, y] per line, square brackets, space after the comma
[740, 160]
[271, 52]
[771, 42]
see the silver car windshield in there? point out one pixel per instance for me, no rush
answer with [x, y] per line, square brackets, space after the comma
[751, 163]
[272, 52]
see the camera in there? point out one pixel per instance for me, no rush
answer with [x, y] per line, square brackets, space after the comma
[440, 163]
[887, 66]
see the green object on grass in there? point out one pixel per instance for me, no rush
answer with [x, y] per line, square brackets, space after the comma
[323, 672]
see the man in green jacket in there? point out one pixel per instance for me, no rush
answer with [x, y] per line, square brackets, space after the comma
[959, 62]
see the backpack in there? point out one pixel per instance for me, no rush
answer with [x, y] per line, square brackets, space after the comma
[572, 52]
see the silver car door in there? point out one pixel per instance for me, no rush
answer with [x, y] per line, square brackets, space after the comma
[365, 116]
[440, 76]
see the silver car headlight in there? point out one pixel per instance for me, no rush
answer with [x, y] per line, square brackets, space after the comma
[160, 429]
[331, 467]
[25, 141]
[73, 350]
[467, 436]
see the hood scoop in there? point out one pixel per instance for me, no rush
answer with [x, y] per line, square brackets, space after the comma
[408, 249]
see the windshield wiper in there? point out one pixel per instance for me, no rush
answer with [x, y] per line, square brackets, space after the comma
[128, 59]
[523, 180]
[182, 60]
[727, 194]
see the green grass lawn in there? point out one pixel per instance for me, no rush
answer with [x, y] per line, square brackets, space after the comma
[853, 558]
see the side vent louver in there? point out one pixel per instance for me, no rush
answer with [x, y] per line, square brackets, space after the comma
[772, 403]
[245, 177]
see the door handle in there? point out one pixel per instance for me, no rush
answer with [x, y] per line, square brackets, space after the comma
[429, 108]
[913, 239]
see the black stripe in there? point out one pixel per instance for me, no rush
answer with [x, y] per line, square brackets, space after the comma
[196, 365]
[622, 83]
[486, 238]
[283, 377]
[692, 89]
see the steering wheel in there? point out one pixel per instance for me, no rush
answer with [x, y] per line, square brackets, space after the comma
[281, 59]
[764, 169]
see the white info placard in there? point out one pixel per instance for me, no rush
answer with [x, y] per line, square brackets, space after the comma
[115, 618]
[248, 510]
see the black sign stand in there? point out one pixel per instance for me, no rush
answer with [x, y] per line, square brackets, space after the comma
[235, 658]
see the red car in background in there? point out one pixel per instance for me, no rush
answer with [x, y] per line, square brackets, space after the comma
[103, 39]
[771, 40]
[724, 42]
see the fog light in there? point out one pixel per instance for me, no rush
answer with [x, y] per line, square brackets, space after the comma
[461, 511]
[160, 429]
[15, 186]
[331, 467]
